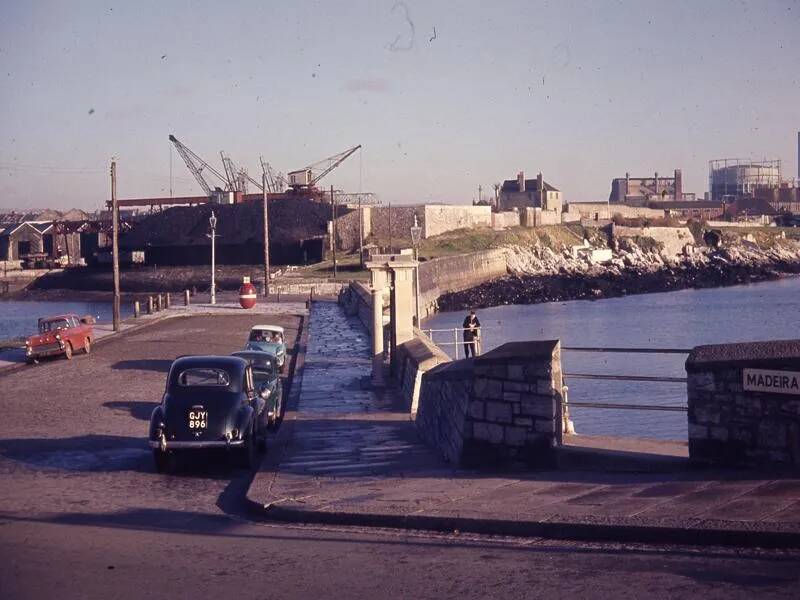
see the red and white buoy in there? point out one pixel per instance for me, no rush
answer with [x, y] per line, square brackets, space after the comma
[247, 294]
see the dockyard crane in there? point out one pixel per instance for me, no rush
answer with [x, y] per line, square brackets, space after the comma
[197, 165]
[276, 182]
[313, 173]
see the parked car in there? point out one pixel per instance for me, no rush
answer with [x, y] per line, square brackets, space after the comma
[62, 334]
[209, 402]
[268, 338]
[267, 381]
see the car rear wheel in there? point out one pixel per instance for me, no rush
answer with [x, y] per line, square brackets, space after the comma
[163, 461]
[87, 346]
[277, 415]
[247, 456]
[68, 351]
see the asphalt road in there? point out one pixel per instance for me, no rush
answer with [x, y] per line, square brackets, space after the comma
[83, 514]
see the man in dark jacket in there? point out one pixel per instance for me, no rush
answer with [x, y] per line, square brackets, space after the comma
[472, 333]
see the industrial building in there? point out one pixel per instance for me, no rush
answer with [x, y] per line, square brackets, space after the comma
[732, 178]
[639, 191]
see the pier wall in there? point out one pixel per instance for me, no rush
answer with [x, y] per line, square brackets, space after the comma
[744, 403]
[502, 407]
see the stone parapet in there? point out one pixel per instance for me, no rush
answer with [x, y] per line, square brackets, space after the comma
[501, 407]
[744, 403]
[416, 357]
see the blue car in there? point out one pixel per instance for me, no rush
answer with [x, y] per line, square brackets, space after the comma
[268, 338]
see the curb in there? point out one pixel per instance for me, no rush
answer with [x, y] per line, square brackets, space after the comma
[579, 532]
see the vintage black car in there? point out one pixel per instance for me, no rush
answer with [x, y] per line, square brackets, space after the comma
[209, 402]
[265, 367]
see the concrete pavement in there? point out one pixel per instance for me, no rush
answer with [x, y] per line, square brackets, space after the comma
[350, 455]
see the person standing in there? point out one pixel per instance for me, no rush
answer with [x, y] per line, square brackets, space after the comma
[472, 332]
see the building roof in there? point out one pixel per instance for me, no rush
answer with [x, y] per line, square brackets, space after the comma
[753, 206]
[531, 185]
[681, 204]
[10, 229]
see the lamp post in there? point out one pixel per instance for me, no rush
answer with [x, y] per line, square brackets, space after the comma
[416, 235]
[212, 221]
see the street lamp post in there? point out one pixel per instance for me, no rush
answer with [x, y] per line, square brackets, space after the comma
[416, 235]
[212, 221]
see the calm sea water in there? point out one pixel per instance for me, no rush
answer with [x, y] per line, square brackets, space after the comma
[683, 319]
[19, 318]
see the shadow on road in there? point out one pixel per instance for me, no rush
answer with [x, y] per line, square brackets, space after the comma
[145, 364]
[138, 409]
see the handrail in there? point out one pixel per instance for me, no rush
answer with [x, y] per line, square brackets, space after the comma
[626, 377]
[613, 406]
[629, 350]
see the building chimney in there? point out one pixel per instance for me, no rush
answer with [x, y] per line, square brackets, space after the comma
[521, 181]
[678, 185]
[542, 195]
[656, 178]
[627, 186]
[798, 154]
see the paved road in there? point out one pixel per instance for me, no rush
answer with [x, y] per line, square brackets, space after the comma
[84, 515]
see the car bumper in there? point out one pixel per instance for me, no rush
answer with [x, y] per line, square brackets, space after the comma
[179, 445]
[50, 350]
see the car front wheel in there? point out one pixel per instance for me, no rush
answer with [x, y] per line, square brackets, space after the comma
[87, 346]
[68, 351]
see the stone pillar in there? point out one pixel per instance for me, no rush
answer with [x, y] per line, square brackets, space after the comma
[402, 304]
[377, 336]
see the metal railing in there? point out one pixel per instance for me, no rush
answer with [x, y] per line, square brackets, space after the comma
[454, 334]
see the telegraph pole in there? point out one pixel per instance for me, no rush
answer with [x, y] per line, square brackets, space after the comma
[333, 231]
[266, 236]
[360, 234]
[115, 243]
[212, 221]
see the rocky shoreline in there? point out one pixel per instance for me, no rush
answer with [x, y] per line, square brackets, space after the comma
[541, 275]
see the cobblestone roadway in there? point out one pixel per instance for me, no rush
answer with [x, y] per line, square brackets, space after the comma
[342, 428]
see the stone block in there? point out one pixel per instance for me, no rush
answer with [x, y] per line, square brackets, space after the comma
[523, 421]
[488, 388]
[497, 371]
[537, 406]
[790, 408]
[544, 386]
[516, 408]
[698, 432]
[746, 406]
[511, 397]
[703, 381]
[498, 412]
[708, 413]
[719, 433]
[476, 409]
[536, 370]
[516, 386]
[741, 432]
[516, 372]
[544, 426]
[488, 432]
[772, 434]
[515, 436]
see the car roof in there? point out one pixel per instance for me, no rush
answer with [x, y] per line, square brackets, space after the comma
[276, 328]
[209, 361]
[255, 354]
[57, 317]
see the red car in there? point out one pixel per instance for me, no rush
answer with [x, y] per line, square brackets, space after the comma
[63, 334]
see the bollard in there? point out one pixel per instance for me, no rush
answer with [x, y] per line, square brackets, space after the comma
[158, 302]
[136, 310]
[279, 294]
[186, 297]
[311, 298]
[149, 305]
[167, 300]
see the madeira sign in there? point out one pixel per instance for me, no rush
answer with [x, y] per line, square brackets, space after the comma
[775, 382]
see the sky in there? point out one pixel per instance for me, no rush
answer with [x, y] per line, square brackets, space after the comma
[442, 96]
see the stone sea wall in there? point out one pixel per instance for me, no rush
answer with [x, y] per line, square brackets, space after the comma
[744, 403]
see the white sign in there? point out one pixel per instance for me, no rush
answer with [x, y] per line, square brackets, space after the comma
[775, 382]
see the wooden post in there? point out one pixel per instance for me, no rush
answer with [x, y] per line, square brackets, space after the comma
[186, 297]
[136, 309]
[115, 244]
[279, 294]
[266, 235]
[158, 302]
[167, 300]
[149, 305]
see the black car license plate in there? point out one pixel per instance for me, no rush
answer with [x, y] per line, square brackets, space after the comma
[198, 419]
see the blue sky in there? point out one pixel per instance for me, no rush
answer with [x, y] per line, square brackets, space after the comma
[583, 91]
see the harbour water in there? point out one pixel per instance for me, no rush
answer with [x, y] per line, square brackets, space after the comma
[19, 318]
[763, 311]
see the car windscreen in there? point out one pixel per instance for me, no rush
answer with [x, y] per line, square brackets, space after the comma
[204, 377]
[48, 326]
[258, 335]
